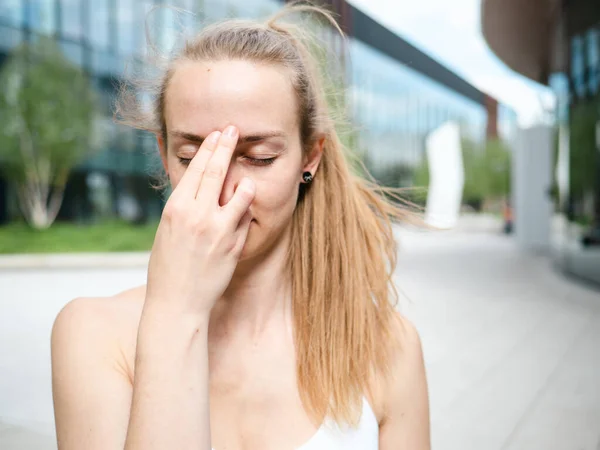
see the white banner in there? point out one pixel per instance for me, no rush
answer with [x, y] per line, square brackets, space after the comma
[446, 176]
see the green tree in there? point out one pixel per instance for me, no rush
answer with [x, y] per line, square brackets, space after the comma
[582, 150]
[475, 185]
[395, 175]
[421, 174]
[497, 169]
[47, 111]
[486, 171]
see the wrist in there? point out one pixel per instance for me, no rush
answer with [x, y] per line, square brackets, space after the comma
[168, 312]
[160, 324]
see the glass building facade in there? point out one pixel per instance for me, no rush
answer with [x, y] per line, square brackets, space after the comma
[393, 104]
[578, 150]
[396, 108]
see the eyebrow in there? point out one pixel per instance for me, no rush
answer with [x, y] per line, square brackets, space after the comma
[256, 137]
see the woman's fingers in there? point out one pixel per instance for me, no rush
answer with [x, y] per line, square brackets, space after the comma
[217, 167]
[206, 175]
[238, 206]
[242, 233]
[192, 178]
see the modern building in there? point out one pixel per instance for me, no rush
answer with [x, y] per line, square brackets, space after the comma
[557, 43]
[396, 94]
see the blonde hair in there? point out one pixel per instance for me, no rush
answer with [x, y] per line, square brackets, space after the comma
[343, 252]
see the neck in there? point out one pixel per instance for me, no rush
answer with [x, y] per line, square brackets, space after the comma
[259, 292]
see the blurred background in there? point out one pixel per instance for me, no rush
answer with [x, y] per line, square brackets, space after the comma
[504, 80]
[487, 111]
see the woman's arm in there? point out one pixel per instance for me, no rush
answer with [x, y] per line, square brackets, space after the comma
[170, 407]
[196, 250]
[406, 421]
[93, 394]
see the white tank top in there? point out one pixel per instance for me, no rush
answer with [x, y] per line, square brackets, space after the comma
[330, 436]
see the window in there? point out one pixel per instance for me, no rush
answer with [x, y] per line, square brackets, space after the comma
[214, 9]
[11, 11]
[578, 66]
[189, 18]
[99, 24]
[10, 37]
[126, 27]
[73, 52]
[42, 15]
[593, 60]
[104, 63]
[70, 13]
[148, 20]
[171, 30]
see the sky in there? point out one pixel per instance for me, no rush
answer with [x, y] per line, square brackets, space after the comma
[450, 32]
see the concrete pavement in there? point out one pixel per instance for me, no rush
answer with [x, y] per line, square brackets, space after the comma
[511, 346]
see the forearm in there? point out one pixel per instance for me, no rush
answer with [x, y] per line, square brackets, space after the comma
[170, 405]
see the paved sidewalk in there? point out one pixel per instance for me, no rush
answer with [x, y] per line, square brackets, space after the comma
[511, 346]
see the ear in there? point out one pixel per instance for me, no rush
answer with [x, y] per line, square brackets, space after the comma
[162, 148]
[312, 160]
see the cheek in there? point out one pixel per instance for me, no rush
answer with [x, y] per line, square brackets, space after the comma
[175, 174]
[276, 196]
[175, 170]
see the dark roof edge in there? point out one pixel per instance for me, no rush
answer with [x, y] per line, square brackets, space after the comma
[372, 33]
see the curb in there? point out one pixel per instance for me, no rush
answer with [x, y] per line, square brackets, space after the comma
[74, 261]
[115, 260]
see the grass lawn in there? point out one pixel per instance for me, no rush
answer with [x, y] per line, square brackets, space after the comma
[113, 236]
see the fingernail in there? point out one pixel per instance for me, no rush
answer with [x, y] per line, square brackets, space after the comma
[214, 137]
[231, 131]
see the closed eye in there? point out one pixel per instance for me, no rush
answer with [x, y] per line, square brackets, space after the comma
[259, 161]
[253, 161]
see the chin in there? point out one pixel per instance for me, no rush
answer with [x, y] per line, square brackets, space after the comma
[258, 242]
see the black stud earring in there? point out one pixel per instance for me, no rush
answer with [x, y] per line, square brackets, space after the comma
[307, 177]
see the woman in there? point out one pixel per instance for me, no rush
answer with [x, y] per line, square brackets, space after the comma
[267, 321]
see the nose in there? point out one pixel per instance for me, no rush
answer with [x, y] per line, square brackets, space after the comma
[232, 180]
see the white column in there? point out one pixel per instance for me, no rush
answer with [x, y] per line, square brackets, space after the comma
[531, 183]
[446, 176]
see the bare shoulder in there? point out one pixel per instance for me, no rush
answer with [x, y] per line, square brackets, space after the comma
[406, 358]
[409, 351]
[108, 313]
[404, 396]
[93, 355]
[105, 325]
